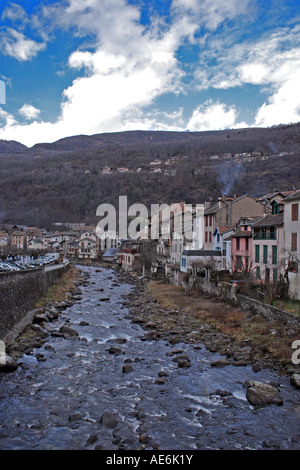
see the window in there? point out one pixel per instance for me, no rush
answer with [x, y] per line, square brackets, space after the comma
[265, 254]
[247, 244]
[257, 253]
[275, 275]
[183, 262]
[210, 220]
[258, 272]
[275, 208]
[238, 263]
[206, 236]
[237, 243]
[294, 212]
[272, 233]
[274, 254]
[294, 241]
[209, 237]
[264, 233]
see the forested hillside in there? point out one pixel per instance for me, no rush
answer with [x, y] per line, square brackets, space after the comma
[67, 180]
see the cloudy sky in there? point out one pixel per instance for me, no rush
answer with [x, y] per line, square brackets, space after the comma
[85, 67]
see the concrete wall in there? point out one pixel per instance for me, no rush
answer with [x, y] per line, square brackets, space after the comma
[20, 290]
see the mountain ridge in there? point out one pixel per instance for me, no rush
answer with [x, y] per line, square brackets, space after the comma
[65, 181]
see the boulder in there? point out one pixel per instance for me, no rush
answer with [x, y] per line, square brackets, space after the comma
[7, 364]
[127, 368]
[261, 394]
[113, 350]
[40, 318]
[108, 420]
[220, 363]
[183, 363]
[295, 380]
[67, 331]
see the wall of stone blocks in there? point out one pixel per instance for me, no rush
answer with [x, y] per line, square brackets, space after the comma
[19, 291]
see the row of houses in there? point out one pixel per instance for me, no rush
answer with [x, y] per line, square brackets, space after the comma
[80, 242]
[257, 237]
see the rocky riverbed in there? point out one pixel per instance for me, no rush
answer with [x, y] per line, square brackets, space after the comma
[104, 370]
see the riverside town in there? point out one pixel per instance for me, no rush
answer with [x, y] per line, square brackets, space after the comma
[150, 230]
[184, 319]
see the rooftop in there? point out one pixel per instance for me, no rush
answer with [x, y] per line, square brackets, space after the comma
[293, 197]
[269, 220]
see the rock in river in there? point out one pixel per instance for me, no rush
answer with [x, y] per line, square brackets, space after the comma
[7, 364]
[108, 420]
[295, 380]
[67, 331]
[260, 394]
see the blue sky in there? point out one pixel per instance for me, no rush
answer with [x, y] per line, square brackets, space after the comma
[72, 67]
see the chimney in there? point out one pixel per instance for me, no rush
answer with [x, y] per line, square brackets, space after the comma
[229, 214]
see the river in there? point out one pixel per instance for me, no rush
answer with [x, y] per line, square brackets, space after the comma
[81, 397]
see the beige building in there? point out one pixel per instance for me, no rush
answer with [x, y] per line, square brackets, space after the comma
[292, 241]
[18, 240]
[268, 245]
[129, 254]
[227, 212]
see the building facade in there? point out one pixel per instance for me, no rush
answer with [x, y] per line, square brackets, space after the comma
[292, 242]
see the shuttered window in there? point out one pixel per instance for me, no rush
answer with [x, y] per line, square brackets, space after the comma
[294, 241]
[295, 211]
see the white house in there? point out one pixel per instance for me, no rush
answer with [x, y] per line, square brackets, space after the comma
[88, 246]
[192, 259]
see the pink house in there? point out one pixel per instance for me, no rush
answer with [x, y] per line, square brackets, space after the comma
[241, 248]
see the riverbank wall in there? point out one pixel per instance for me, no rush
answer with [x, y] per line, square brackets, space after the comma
[229, 293]
[19, 291]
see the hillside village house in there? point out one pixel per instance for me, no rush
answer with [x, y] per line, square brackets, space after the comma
[200, 259]
[292, 241]
[268, 245]
[73, 249]
[241, 248]
[4, 239]
[18, 240]
[227, 212]
[129, 254]
[88, 246]
[108, 240]
[222, 242]
[35, 244]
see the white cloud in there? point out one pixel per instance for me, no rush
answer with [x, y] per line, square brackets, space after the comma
[17, 45]
[272, 63]
[214, 116]
[29, 112]
[283, 106]
[7, 118]
[126, 72]
[127, 66]
[211, 13]
[14, 13]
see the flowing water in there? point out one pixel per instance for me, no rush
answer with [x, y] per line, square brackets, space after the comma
[58, 403]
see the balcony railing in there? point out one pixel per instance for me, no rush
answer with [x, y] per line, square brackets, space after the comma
[265, 236]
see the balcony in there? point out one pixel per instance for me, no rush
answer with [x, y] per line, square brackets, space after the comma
[265, 236]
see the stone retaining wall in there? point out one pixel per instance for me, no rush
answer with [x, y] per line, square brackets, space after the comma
[228, 292]
[20, 290]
